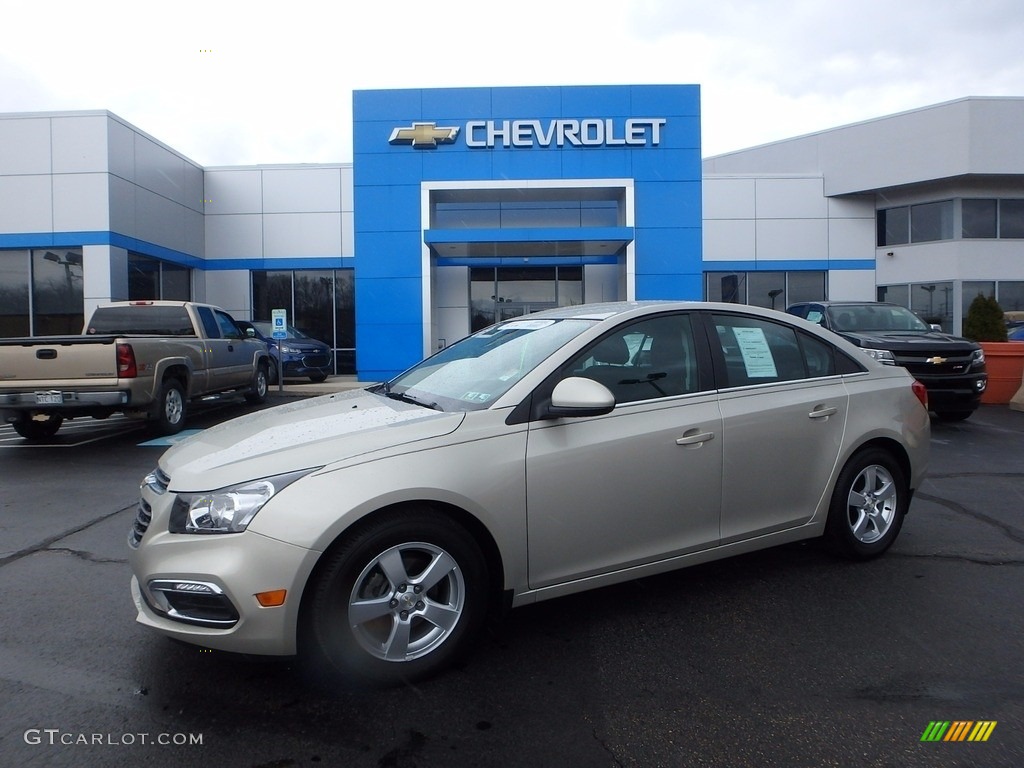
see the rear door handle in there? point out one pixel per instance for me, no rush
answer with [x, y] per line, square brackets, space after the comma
[695, 438]
[823, 413]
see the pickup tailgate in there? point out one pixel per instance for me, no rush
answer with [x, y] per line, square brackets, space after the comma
[57, 361]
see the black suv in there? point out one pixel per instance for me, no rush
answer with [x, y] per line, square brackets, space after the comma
[951, 368]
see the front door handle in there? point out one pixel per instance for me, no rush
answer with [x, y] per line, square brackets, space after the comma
[823, 413]
[695, 438]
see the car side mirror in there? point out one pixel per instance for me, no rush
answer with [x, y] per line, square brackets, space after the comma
[575, 397]
[250, 333]
[935, 327]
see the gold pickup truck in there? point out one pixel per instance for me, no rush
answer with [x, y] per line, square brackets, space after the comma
[146, 359]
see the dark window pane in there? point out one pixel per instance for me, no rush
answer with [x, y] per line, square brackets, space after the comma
[894, 226]
[979, 218]
[1011, 218]
[931, 221]
[57, 293]
[176, 283]
[14, 294]
[314, 304]
[270, 291]
[345, 310]
[766, 289]
[804, 286]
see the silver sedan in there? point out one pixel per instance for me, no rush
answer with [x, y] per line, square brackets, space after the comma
[374, 531]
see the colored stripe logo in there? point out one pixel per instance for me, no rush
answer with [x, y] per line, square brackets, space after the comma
[959, 730]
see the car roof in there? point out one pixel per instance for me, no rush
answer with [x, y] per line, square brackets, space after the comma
[618, 309]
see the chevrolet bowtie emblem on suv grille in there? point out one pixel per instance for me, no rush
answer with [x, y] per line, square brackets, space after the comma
[423, 135]
[936, 360]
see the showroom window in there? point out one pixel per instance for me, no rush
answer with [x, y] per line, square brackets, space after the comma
[154, 279]
[319, 302]
[772, 290]
[501, 293]
[41, 292]
[921, 223]
[531, 208]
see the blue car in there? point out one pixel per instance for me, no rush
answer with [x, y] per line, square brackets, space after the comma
[301, 356]
[1015, 333]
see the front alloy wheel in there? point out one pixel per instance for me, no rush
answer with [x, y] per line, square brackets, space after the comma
[868, 505]
[401, 598]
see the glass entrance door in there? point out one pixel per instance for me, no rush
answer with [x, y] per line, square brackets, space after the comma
[501, 293]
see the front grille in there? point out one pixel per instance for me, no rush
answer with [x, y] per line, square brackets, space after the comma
[919, 365]
[157, 482]
[143, 517]
[316, 361]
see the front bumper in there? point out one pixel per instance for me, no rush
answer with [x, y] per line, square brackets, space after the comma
[961, 394]
[170, 571]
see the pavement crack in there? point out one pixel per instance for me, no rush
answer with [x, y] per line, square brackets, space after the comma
[1008, 530]
[46, 543]
[606, 748]
[87, 556]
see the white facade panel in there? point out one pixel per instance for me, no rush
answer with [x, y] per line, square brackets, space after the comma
[122, 206]
[229, 191]
[229, 290]
[792, 239]
[81, 202]
[851, 285]
[347, 188]
[193, 233]
[301, 190]
[236, 236]
[25, 146]
[452, 324]
[729, 240]
[79, 144]
[851, 238]
[159, 170]
[790, 199]
[121, 149]
[104, 276]
[852, 207]
[603, 282]
[451, 287]
[348, 233]
[728, 199]
[287, 235]
[194, 187]
[159, 220]
[26, 203]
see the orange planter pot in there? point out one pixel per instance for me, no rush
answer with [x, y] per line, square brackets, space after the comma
[1004, 361]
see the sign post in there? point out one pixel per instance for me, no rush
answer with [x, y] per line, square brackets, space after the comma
[279, 323]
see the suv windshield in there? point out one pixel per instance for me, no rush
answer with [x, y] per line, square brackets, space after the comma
[875, 317]
[472, 373]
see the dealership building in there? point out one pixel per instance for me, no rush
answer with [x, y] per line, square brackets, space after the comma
[466, 206]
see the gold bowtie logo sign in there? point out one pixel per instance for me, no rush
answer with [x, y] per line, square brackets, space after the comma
[423, 135]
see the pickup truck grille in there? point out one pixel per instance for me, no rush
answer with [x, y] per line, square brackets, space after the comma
[934, 364]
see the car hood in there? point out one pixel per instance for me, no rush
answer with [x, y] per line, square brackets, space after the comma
[300, 435]
[908, 341]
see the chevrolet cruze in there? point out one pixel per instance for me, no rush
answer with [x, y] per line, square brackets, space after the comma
[373, 532]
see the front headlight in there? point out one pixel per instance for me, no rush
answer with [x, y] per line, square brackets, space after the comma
[978, 357]
[290, 350]
[881, 355]
[227, 510]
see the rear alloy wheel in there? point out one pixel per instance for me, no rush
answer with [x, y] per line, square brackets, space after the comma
[170, 414]
[41, 427]
[868, 505]
[403, 598]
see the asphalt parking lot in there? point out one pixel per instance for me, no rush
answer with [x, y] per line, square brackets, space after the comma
[785, 657]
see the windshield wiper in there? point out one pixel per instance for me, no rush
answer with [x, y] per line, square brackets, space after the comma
[405, 397]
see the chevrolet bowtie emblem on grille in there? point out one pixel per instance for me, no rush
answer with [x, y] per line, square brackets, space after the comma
[936, 360]
[423, 135]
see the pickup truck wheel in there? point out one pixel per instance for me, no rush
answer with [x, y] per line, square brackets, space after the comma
[170, 414]
[38, 428]
[260, 386]
[402, 598]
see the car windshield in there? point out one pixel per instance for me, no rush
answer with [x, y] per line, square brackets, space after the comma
[472, 373]
[875, 317]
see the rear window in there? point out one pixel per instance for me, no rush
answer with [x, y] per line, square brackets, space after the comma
[142, 320]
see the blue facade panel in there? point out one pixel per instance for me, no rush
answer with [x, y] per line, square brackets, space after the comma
[648, 136]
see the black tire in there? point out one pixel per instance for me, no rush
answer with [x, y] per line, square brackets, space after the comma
[169, 416]
[953, 415]
[317, 378]
[408, 630]
[38, 429]
[260, 385]
[272, 373]
[869, 503]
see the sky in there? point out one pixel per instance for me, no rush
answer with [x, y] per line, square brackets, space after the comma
[244, 83]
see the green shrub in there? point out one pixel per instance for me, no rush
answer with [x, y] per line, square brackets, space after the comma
[984, 321]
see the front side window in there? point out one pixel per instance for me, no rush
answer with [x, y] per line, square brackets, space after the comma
[649, 359]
